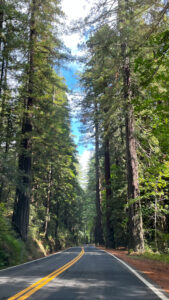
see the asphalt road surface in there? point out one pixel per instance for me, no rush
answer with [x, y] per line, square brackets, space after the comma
[74, 274]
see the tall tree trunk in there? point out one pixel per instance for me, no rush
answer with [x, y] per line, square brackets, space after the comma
[3, 83]
[98, 229]
[109, 226]
[47, 217]
[2, 76]
[2, 52]
[23, 190]
[57, 242]
[8, 112]
[135, 227]
[4, 113]
[8, 131]
[1, 21]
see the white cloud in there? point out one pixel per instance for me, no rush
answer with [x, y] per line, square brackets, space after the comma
[74, 103]
[84, 160]
[71, 41]
[74, 10]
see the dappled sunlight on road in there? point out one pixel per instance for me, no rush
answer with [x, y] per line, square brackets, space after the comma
[95, 275]
[94, 253]
[89, 287]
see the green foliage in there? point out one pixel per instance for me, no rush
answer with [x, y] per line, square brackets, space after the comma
[61, 213]
[12, 251]
[150, 255]
[28, 60]
[89, 205]
[147, 55]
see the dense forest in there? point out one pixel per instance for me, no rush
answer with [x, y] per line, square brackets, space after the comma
[125, 103]
[39, 191]
[124, 109]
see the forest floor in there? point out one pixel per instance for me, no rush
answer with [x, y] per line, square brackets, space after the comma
[157, 271]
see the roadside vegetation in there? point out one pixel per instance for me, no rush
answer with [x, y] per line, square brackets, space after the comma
[157, 256]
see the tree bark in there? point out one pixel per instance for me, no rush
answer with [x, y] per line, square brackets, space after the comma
[1, 21]
[23, 190]
[135, 227]
[2, 45]
[2, 76]
[4, 111]
[47, 217]
[109, 226]
[98, 229]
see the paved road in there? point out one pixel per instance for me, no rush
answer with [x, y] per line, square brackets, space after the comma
[96, 275]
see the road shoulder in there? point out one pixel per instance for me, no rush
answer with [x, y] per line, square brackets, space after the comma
[156, 271]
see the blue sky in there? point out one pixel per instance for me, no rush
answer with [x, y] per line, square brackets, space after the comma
[85, 151]
[74, 9]
[72, 83]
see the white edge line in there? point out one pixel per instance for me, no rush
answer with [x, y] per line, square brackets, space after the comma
[150, 286]
[29, 262]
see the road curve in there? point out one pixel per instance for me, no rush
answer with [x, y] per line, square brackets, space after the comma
[92, 275]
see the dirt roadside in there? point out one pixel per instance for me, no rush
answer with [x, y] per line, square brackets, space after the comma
[156, 271]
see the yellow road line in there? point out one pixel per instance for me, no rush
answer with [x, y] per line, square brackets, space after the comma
[39, 284]
[36, 283]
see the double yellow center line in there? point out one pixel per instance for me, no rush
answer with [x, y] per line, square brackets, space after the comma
[26, 293]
